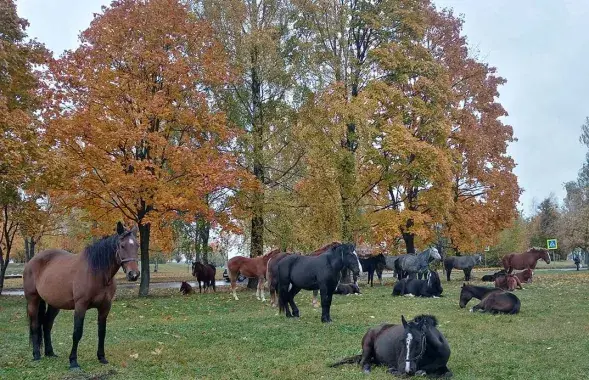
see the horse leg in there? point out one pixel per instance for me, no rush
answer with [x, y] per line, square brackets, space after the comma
[261, 288]
[79, 315]
[448, 272]
[283, 299]
[315, 303]
[295, 310]
[367, 352]
[467, 274]
[371, 277]
[35, 310]
[233, 286]
[102, 315]
[47, 326]
[326, 297]
[199, 288]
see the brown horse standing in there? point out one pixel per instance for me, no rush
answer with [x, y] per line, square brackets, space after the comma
[55, 279]
[250, 268]
[525, 260]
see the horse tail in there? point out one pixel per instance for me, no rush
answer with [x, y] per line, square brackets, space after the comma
[351, 360]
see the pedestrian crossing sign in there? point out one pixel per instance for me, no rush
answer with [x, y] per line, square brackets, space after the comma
[552, 243]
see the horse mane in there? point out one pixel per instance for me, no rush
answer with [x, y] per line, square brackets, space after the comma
[273, 253]
[536, 249]
[427, 319]
[325, 248]
[101, 254]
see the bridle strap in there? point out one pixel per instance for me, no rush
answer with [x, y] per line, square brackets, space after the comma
[421, 352]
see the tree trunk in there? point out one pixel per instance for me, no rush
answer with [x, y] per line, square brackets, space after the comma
[27, 254]
[409, 239]
[3, 268]
[32, 246]
[144, 232]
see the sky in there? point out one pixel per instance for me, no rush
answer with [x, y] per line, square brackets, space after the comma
[540, 47]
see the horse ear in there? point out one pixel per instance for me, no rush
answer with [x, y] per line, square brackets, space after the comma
[134, 230]
[404, 321]
[120, 228]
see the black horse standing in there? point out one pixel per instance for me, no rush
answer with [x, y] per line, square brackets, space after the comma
[296, 272]
[373, 264]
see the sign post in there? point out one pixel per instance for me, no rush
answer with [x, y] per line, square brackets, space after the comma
[552, 244]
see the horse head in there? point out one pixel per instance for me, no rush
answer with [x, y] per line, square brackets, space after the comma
[434, 283]
[434, 254]
[350, 259]
[127, 249]
[415, 342]
[465, 296]
[478, 259]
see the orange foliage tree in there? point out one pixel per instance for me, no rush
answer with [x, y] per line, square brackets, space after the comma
[21, 154]
[130, 111]
[484, 189]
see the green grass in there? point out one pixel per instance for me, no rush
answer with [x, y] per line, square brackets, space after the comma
[214, 337]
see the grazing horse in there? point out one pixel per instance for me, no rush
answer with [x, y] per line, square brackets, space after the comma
[204, 273]
[185, 288]
[508, 282]
[469, 292]
[525, 260]
[409, 265]
[499, 303]
[373, 264]
[466, 263]
[55, 279]
[347, 289]
[525, 275]
[430, 287]
[323, 272]
[412, 348]
[492, 277]
[250, 268]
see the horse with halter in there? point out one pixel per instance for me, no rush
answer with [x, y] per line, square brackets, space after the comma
[323, 272]
[409, 265]
[204, 273]
[525, 260]
[430, 287]
[412, 348]
[55, 279]
[250, 268]
[466, 263]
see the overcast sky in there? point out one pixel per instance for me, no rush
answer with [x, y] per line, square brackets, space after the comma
[540, 47]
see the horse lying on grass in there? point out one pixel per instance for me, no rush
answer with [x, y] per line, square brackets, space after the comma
[430, 287]
[492, 277]
[493, 300]
[185, 288]
[413, 348]
[508, 282]
[347, 289]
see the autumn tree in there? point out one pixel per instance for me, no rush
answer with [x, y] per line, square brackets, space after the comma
[484, 188]
[20, 151]
[130, 110]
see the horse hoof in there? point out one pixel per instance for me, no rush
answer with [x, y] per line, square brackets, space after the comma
[420, 373]
[36, 358]
[50, 355]
[471, 310]
[103, 360]
[75, 367]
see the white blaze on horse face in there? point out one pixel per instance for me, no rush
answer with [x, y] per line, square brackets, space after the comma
[131, 242]
[407, 362]
[358, 260]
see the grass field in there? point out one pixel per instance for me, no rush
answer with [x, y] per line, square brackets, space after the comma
[214, 337]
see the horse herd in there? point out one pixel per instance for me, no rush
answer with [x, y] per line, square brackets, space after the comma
[56, 279]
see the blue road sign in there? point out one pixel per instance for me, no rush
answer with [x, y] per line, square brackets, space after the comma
[552, 243]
